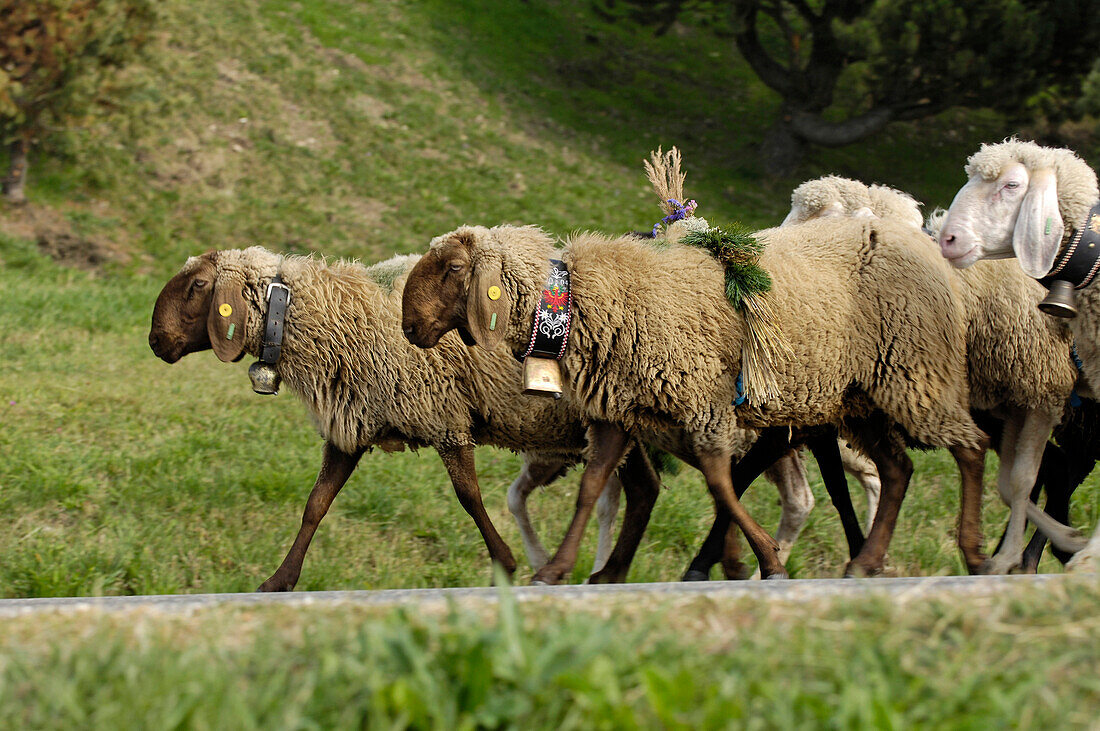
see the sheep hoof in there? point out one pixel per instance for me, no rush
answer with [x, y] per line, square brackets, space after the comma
[695, 575]
[778, 575]
[606, 577]
[858, 571]
[546, 578]
[275, 584]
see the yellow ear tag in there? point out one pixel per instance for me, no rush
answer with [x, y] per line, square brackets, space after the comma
[494, 293]
[225, 310]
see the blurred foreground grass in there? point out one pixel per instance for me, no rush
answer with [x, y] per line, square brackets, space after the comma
[1023, 659]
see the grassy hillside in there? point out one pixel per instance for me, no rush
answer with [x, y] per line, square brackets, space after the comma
[361, 129]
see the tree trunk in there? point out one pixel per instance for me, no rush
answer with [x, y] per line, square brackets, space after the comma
[16, 179]
[782, 150]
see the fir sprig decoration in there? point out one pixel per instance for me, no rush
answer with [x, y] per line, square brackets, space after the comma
[739, 251]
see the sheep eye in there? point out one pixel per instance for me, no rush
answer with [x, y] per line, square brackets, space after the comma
[195, 287]
[1012, 185]
[457, 266]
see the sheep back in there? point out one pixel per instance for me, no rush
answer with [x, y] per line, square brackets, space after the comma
[867, 314]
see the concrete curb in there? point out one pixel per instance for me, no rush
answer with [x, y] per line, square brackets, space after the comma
[799, 590]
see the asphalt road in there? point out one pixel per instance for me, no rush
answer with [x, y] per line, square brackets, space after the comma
[804, 590]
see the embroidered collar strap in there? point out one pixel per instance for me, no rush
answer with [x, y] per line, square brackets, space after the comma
[1079, 262]
[278, 300]
[550, 331]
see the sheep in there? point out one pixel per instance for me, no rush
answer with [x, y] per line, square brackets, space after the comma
[1027, 201]
[875, 331]
[365, 386]
[1019, 361]
[362, 384]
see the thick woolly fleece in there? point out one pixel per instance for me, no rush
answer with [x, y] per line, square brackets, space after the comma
[833, 194]
[345, 357]
[1016, 355]
[872, 319]
[364, 385]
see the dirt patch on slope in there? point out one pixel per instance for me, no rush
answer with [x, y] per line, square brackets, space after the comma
[58, 239]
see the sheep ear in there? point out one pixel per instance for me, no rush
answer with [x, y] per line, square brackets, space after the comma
[228, 319]
[1039, 227]
[487, 305]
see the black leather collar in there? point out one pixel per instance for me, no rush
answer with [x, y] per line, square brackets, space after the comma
[278, 299]
[1079, 262]
[550, 331]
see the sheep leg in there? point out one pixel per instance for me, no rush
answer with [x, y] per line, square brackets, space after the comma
[769, 446]
[336, 468]
[711, 551]
[894, 469]
[1081, 464]
[1022, 445]
[607, 509]
[609, 443]
[827, 453]
[971, 464]
[1054, 478]
[640, 483]
[864, 471]
[797, 500]
[788, 475]
[716, 470]
[534, 474]
[459, 462]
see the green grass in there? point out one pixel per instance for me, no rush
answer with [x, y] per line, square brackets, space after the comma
[1021, 660]
[363, 129]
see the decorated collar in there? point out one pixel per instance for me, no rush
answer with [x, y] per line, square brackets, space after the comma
[550, 331]
[1079, 262]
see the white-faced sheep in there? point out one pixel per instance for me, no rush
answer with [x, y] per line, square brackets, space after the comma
[1019, 363]
[1031, 202]
[876, 336]
[365, 386]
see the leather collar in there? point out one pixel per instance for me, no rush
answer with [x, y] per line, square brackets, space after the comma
[278, 300]
[1079, 262]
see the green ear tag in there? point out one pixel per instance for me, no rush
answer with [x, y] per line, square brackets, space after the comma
[1049, 222]
[493, 322]
[229, 332]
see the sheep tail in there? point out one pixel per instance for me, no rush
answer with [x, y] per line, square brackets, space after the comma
[763, 344]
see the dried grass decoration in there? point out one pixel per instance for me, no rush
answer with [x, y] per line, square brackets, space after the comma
[746, 281]
[746, 284]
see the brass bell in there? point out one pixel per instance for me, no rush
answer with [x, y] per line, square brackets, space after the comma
[1059, 301]
[541, 377]
[265, 380]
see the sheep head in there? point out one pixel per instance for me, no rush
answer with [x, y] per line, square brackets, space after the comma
[457, 285]
[198, 309]
[1018, 202]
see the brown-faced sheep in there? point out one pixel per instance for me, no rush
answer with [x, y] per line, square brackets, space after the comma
[365, 386]
[875, 331]
[1031, 202]
[1019, 361]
